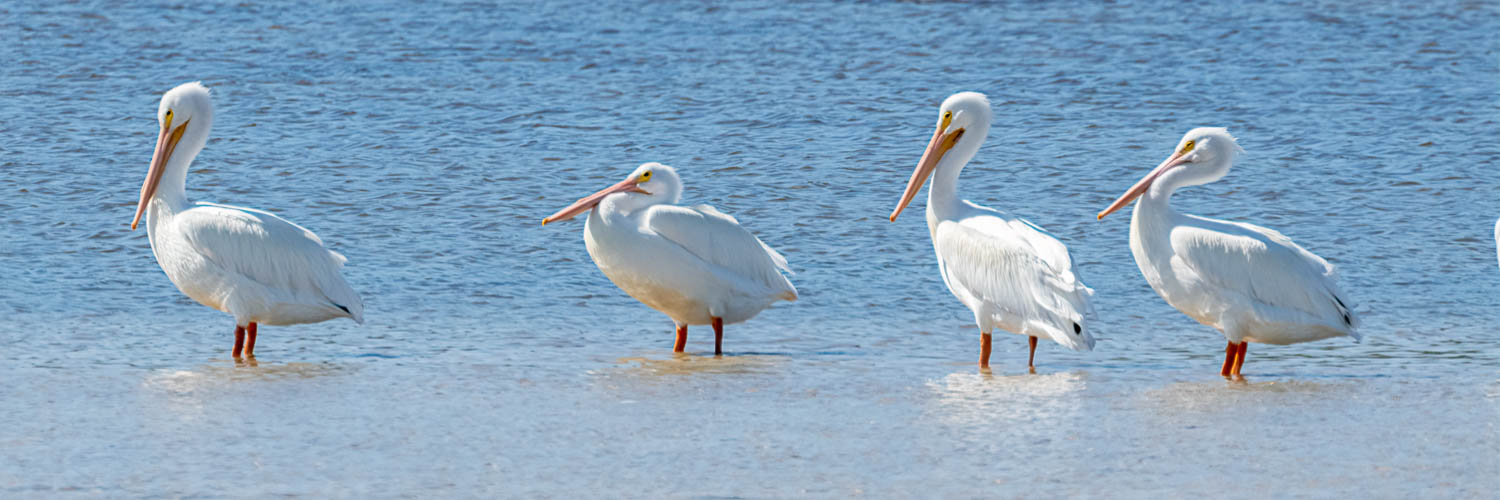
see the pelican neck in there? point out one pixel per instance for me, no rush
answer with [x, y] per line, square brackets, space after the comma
[1151, 222]
[171, 190]
[942, 195]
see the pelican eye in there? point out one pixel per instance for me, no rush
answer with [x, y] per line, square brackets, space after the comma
[1187, 148]
[168, 119]
[947, 119]
[645, 176]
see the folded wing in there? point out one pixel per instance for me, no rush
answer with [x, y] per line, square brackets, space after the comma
[1018, 271]
[1264, 266]
[270, 251]
[718, 239]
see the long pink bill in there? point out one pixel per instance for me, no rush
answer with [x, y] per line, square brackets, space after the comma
[1141, 186]
[166, 143]
[590, 201]
[936, 148]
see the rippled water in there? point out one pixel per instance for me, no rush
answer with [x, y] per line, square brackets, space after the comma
[426, 142]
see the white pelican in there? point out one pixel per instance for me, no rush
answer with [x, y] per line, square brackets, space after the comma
[1010, 272]
[1249, 282]
[245, 262]
[694, 264]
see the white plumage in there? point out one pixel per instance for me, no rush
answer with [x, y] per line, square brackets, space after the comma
[1010, 273]
[1251, 283]
[252, 264]
[695, 264]
[1014, 276]
[1225, 273]
[249, 263]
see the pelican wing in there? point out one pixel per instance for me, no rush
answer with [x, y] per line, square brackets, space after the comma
[1021, 272]
[270, 251]
[718, 239]
[1263, 265]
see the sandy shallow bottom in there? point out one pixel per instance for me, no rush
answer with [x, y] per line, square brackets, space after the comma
[788, 424]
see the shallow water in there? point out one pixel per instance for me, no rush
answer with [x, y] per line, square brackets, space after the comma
[426, 143]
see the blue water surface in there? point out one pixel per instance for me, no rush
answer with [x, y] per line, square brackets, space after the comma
[426, 141]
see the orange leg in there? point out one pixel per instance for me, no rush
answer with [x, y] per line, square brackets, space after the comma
[681, 338]
[718, 336]
[1239, 359]
[239, 339]
[1229, 351]
[984, 350]
[250, 341]
[1030, 360]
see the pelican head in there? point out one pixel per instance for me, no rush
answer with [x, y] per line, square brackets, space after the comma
[650, 184]
[963, 122]
[185, 115]
[1204, 155]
